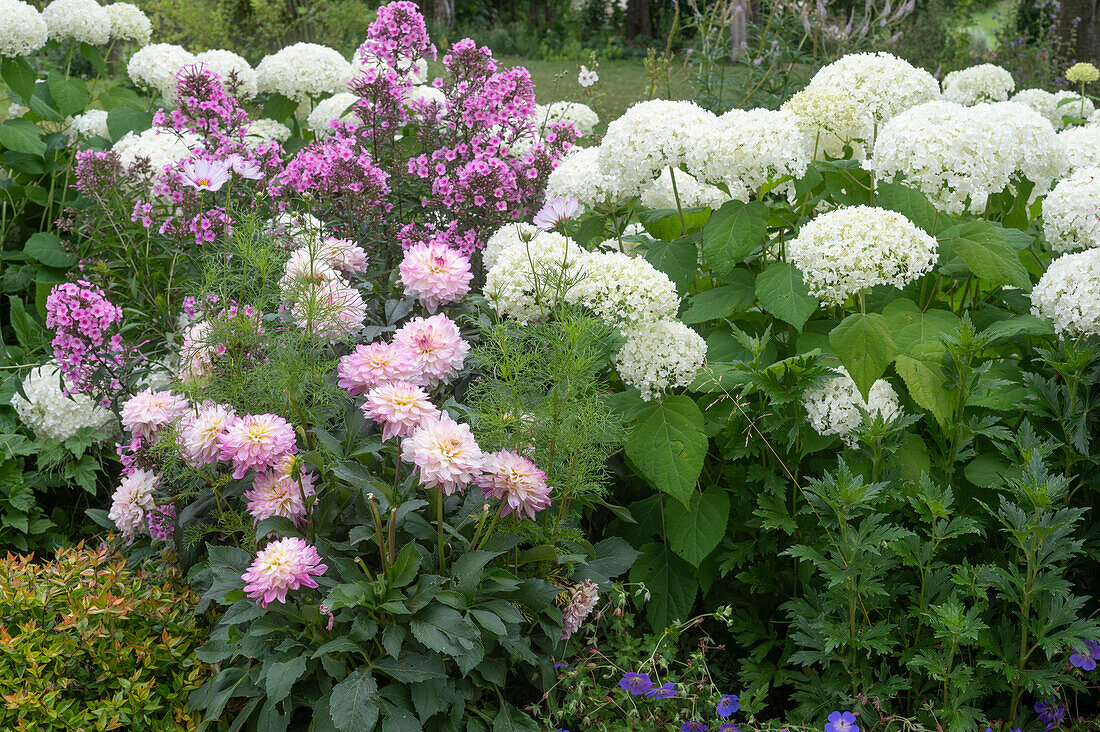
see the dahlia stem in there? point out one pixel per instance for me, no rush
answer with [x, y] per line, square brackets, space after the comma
[439, 528]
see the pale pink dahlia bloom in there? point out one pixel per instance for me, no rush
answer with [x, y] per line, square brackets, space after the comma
[131, 501]
[581, 602]
[435, 273]
[399, 407]
[197, 353]
[282, 565]
[344, 255]
[146, 412]
[257, 442]
[277, 493]
[435, 346]
[445, 453]
[306, 267]
[373, 364]
[201, 433]
[517, 481]
[330, 311]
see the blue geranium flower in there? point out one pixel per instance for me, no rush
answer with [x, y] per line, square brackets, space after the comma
[693, 726]
[841, 722]
[664, 691]
[728, 704]
[635, 683]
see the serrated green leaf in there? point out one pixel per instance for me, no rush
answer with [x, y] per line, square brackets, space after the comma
[988, 254]
[121, 120]
[671, 584]
[19, 75]
[354, 704]
[864, 346]
[667, 444]
[47, 249]
[782, 292]
[695, 531]
[279, 677]
[925, 384]
[22, 135]
[732, 233]
[910, 203]
[677, 259]
[721, 302]
[69, 94]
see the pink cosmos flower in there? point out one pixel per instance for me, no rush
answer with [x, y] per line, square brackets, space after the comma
[204, 175]
[435, 273]
[582, 600]
[146, 412]
[556, 212]
[435, 346]
[445, 453]
[373, 364]
[201, 433]
[244, 168]
[330, 311]
[131, 501]
[399, 407]
[344, 255]
[277, 493]
[283, 565]
[257, 442]
[517, 481]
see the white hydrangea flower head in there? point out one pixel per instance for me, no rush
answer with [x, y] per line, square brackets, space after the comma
[1052, 106]
[833, 407]
[80, 21]
[831, 119]
[154, 67]
[505, 238]
[303, 71]
[266, 130]
[1040, 155]
[648, 138]
[161, 147]
[329, 110]
[1071, 212]
[847, 250]
[745, 149]
[22, 29]
[425, 93]
[223, 62]
[883, 83]
[1082, 146]
[578, 176]
[977, 84]
[92, 123]
[51, 414]
[131, 501]
[660, 193]
[129, 23]
[660, 355]
[1068, 294]
[526, 280]
[624, 290]
[583, 116]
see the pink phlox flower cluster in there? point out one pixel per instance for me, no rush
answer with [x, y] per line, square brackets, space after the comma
[195, 308]
[373, 364]
[282, 566]
[162, 522]
[256, 442]
[582, 600]
[201, 432]
[517, 481]
[380, 106]
[445, 454]
[399, 406]
[279, 492]
[204, 107]
[398, 36]
[145, 413]
[435, 346]
[436, 274]
[86, 337]
[132, 454]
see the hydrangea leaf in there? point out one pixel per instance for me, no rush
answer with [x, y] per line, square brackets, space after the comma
[695, 531]
[925, 384]
[19, 76]
[782, 292]
[677, 259]
[121, 120]
[722, 302]
[988, 254]
[865, 347]
[69, 95]
[670, 582]
[667, 445]
[732, 233]
[22, 135]
[910, 203]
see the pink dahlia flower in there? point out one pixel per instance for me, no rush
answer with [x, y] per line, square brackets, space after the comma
[132, 500]
[201, 433]
[277, 493]
[517, 481]
[282, 565]
[373, 364]
[147, 411]
[399, 407]
[330, 311]
[204, 175]
[435, 273]
[197, 353]
[304, 268]
[435, 346]
[582, 600]
[556, 212]
[344, 255]
[445, 453]
[257, 442]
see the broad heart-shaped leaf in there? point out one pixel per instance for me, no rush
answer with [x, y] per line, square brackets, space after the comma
[925, 383]
[910, 203]
[863, 344]
[19, 76]
[121, 120]
[671, 584]
[279, 677]
[667, 444]
[915, 332]
[721, 302]
[678, 259]
[353, 705]
[732, 233]
[988, 254]
[782, 292]
[47, 249]
[695, 531]
[22, 135]
[70, 95]
[664, 223]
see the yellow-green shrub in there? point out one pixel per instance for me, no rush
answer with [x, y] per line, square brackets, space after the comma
[86, 644]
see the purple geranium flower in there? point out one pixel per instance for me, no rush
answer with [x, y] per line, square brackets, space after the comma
[635, 683]
[729, 727]
[665, 691]
[1050, 713]
[841, 722]
[728, 704]
[1086, 660]
[693, 726]
[555, 212]
[204, 175]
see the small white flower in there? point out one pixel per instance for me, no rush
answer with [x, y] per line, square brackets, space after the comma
[587, 78]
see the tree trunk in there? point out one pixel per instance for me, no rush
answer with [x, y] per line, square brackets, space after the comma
[445, 14]
[740, 12]
[637, 19]
[1079, 27]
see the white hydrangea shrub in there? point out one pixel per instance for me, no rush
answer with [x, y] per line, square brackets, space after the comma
[1071, 212]
[329, 110]
[304, 71]
[831, 119]
[266, 130]
[526, 280]
[661, 194]
[660, 355]
[1051, 105]
[883, 83]
[834, 407]
[624, 290]
[92, 123]
[129, 23]
[160, 147]
[223, 62]
[79, 21]
[51, 414]
[977, 84]
[505, 238]
[583, 116]
[1082, 146]
[1068, 294]
[22, 29]
[578, 176]
[154, 67]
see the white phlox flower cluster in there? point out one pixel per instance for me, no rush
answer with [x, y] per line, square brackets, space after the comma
[648, 138]
[831, 119]
[884, 84]
[848, 250]
[304, 71]
[526, 279]
[583, 116]
[1068, 294]
[79, 21]
[1055, 106]
[661, 194]
[52, 414]
[129, 23]
[266, 130]
[833, 407]
[155, 67]
[1082, 146]
[504, 238]
[329, 110]
[160, 147]
[745, 149]
[223, 63]
[1071, 212]
[660, 355]
[92, 123]
[624, 290]
[959, 156]
[578, 176]
[977, 84]
[22, 29]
